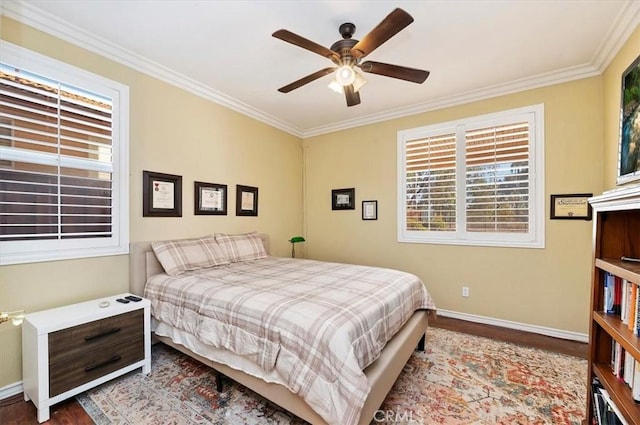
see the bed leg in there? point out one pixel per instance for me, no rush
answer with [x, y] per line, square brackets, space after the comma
[421, 343]
[219, 381]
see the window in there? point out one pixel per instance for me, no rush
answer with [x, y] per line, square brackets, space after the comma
[477, 181]
[64, 161]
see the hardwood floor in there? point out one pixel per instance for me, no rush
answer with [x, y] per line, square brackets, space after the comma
[563, 346]
[15, 411]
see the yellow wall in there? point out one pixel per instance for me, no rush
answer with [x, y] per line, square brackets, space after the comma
[175, 132]
[544, 287]
[612, 80]
[171, 131]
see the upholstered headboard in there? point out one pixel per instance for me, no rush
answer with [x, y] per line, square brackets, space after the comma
[143, 263]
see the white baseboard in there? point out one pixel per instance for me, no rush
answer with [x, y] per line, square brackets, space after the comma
[11, 390]
[556, 333]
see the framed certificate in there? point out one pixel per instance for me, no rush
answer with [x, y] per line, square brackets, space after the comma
[246, 201]
[161, 195]
[369, 210]
[571, 207]
[210, 198]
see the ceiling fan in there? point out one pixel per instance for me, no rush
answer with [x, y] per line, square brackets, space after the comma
[347, 54]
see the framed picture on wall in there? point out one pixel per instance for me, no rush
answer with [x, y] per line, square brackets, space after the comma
[629, 146]
[343, 199]
[246, 201]
[161, 195]
[210, 198]
[571, 207]
[369, 210]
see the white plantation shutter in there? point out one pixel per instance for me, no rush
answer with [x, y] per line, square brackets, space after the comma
[431, 183]
[61, 180]
[497, 178]
[477, 181]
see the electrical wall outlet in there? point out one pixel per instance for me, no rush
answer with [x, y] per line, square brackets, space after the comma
[465, 291]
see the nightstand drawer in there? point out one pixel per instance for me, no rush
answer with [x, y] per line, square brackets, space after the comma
[83, 368]
[90, 337]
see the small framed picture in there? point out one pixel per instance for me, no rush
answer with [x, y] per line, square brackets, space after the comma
[571, 207]
[210, 198]
[246, 201]
[343, 199]
[161, 195]
[369, 210]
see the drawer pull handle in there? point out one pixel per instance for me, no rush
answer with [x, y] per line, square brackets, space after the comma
[104, 363]
[109, 332]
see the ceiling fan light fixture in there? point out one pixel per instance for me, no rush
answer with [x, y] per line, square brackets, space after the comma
[336, 86]
[358, 82]
[345, 75]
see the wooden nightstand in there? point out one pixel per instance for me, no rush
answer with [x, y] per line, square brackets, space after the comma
[71, 349]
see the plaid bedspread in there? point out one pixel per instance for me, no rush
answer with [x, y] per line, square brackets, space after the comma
[332, 319]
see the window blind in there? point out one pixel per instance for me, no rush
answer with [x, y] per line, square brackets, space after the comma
[431, 183]
[474, 181]
[497, 178]
[56, 151]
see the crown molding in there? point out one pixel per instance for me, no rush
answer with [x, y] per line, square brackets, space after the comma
[34, 17]
[538, 81]
[19, 10]
[626, 23]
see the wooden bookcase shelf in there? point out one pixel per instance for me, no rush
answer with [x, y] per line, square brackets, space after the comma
[619, 392]
[619, 331]
[616, 234]
[625, 269]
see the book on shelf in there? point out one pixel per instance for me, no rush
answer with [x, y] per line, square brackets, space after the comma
[635, 388]
[609, 293]
[631, 304]
[636, 320]
[617, 294]
[624, 307]
[618, 360]
[611, 414]
[628, 368]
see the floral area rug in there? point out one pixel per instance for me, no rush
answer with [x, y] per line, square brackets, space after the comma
[460, 379]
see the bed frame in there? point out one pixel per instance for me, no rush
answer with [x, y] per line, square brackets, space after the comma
[381, 374]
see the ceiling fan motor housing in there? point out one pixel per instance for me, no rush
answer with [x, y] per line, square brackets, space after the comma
[343, 47]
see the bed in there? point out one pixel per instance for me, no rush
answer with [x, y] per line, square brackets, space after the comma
[258, 369]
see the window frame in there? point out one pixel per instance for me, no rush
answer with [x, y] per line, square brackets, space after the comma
[534, 238]
[18, 252]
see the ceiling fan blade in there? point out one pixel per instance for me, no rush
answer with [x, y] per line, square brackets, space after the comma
[305, 80]
[395, 71]
[299, 41]
[353, 97]
[390, 26]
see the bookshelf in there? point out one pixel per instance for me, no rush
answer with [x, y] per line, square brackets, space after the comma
[616, 233]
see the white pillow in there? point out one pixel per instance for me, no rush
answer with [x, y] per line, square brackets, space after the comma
[242, 247]
[181, 255]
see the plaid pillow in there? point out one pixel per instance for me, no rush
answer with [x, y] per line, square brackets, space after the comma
[179, 256]
[242, 247]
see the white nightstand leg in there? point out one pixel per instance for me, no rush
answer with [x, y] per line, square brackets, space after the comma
[43, 414]
[26, 396]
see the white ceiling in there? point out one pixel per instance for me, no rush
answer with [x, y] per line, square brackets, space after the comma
[224, 51]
